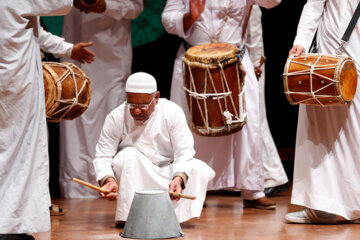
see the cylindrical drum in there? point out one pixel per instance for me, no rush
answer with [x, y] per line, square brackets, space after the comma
[320, 79]
[214, 88]
[67, 91]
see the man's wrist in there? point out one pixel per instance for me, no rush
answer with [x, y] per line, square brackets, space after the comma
[106, 179]
[183, 177]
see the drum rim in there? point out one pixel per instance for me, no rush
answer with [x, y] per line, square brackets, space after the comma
[211, 59]
[340, 89]
[57, 89]
[150, 191]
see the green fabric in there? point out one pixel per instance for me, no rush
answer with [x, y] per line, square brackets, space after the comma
[144, 29]
[53, 24]
[148, 27]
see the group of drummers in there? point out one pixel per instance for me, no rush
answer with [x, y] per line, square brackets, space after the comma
[210, 135]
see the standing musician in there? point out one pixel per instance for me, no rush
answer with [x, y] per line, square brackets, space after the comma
[327, 169]
[275, 179]
[146, 144]
[58, 47]
[236, 158]
[24, 160]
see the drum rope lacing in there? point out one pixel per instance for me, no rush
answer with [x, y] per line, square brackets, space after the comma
[310, 71]
[74, 101]
[228, 117]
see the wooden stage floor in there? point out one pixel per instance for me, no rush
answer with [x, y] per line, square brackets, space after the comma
[223, 217]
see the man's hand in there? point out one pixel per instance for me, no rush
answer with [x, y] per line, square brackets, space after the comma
[258, 72]
[111, 189]
[80, 53]
[175, 186]
[196, 8]
[87, 6]
[296, 50]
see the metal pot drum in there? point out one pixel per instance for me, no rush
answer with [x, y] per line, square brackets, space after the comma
[152, 216]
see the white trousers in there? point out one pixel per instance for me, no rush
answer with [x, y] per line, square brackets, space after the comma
[135, 172]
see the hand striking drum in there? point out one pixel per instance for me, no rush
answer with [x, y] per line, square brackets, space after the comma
[214, 88]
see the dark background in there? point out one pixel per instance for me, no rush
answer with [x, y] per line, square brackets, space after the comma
[157, 58]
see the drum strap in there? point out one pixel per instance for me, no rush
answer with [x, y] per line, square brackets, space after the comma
[345, 37]
[351, 26]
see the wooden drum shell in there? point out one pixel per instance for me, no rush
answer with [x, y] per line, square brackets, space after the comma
[199, 69]
[333, 79]
[66, 98]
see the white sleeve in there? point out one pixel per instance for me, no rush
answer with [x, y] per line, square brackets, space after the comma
[181, 139]
[172, 18]
[267, 3]
[45, 7]
[53, 44]
[309, 22]
[127, 9]
[107, 146]
[254, 40]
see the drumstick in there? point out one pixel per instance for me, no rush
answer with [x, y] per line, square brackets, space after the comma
[262, 60]
[89, 185]
[179, 195]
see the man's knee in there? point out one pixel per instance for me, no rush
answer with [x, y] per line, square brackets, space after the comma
[199, 168]
[124, 158]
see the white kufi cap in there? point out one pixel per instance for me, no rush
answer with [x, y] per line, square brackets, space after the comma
[141, 82]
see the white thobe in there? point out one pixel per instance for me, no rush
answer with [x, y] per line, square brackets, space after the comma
[146, 155]
[327, 169]
[24, 161]
[274, 173]
[110, 34]
[235, 158]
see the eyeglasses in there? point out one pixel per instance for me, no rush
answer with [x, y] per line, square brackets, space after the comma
[141, 106]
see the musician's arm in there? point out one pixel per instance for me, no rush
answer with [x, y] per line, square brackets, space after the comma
[123, 9]
[173, 18]
[53, 44]
[106, 148]
[254, 40]
[182, 142]
[309, 22]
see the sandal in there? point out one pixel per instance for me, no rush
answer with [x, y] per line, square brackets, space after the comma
[55, 210]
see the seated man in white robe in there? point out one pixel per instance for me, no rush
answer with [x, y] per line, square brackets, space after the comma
[146, 144]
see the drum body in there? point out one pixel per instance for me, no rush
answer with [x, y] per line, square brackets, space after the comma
[67, 91]
[152, 216]
[214, 88]
[320, 79]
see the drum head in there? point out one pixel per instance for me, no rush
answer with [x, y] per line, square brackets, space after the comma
[211, 53]
[348, 79]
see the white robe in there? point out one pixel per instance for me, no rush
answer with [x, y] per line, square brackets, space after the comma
[24, 161]
[235, 158]
[274, 173]
[327, 169]
[147, 155]
[111, 36]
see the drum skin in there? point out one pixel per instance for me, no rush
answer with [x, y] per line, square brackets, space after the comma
[333, 79]
[198, 62]
[67, 91]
